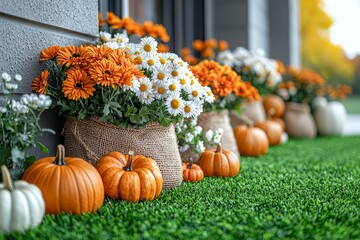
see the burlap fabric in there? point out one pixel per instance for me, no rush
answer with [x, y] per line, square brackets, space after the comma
[254, 111]
[91, 139]
[299, 121]
[215, 120]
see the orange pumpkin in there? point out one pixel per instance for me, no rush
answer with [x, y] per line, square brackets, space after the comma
[275, 102]
[192, 172]
[68, 184]
[130, 177]
[279, 121]
[251, 141]
[219, 163]
[272, 129]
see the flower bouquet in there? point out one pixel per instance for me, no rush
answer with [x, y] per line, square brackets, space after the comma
[229, 93]
[19, 124]
[123, 96]
[298, 90]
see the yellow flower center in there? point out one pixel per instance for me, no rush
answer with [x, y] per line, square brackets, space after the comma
[174, 73]
[143, 87]
[181, 64]
[120, 40]
[209, 93]
[147, 48]
[175, 103]
[195, 93]
[162, 60]
[187, 109]
[161, 90]
[138, 60]
[192, 82]
[137, 52]
[172, 87]
[151, 62]
[161, 76]
[153, 87]
[182, 81]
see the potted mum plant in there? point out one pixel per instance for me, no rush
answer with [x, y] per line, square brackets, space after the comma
[298, 90]
[122, 96]
[254, 67]
[229, 93]
[19, 124]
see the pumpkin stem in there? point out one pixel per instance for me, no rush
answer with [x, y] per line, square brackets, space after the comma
[60, 155]
[270, 113]
[128, 166]
[219, 148]
[189, 166]
[8, 184]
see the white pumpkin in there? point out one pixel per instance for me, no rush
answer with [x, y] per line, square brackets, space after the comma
[22, 205]
[330, 118]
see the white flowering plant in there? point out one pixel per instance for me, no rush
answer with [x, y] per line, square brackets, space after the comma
[127, 84]
[254, 67]
[191, 136]
[19, 123]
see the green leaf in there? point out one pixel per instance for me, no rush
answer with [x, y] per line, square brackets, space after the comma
[42, 147]
[106, 110]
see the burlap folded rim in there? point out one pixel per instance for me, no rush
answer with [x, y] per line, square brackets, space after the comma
[91, 139]
[215, 120]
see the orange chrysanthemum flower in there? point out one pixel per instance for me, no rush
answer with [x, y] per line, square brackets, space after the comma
[198, 45]
[49, 53]
[162, 48]
[39, 84]
[78, 85]
[113, 20]
[149, 29]
[223, 45]
[210, 43]
[162, 33]
[101, 21]
[106, 73]
[95, 53]
[73, 55]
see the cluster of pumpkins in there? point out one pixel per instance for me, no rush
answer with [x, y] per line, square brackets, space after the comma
[59, 184]
[254, 138]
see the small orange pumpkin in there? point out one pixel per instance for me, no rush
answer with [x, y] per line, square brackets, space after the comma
[279, 121]
[68, 184]
[272, 129]
[251, 141]
[219, 163]
[275, 102]
[192, 172]
[130, 177]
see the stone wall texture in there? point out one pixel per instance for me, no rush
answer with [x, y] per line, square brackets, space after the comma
[27, 27]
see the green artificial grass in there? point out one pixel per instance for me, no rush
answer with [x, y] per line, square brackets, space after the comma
[352, 104]
[306, 189]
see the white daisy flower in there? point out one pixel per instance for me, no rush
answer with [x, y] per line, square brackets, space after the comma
[121, 38]
[175, 105]
[173, 87]
[196, 92]
[11, 86]
[18, 77]
[160, 91]
[113, 45]
[135, 85]
[145, 87]
[149, 98]
[193, 121]
[217, 139]
[226, 58]
[160, 73]
[148, 45]
[209, 135]
[6, 77]
[200, 146]
[191, 110]
[189, 137]
[219, 131]
[209, 96]
[197, 130]
[105, 37]
[176, 71]
[3, 110]
[150, 62]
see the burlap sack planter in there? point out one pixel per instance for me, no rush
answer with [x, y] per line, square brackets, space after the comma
[299, 121]
[91, 139]
[215, 120]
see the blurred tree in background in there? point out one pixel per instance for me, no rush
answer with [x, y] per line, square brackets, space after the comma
[317, 51]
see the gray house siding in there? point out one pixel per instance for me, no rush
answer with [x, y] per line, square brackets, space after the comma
[27, 27]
